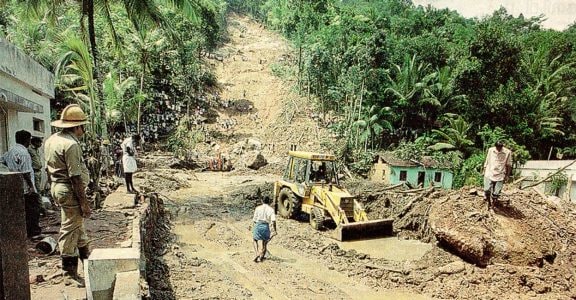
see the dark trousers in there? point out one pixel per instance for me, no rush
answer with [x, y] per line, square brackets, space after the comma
[32, 207]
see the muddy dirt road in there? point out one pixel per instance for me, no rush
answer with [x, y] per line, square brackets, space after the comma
[212, 253]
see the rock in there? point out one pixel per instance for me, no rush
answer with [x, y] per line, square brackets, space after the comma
[253, 144]
[33, 279]
[452, 268]
[471, 248]
[255, 160]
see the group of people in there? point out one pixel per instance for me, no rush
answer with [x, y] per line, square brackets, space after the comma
[24, 157]
[68, 178]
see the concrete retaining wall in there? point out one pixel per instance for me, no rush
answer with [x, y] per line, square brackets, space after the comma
[120, 273]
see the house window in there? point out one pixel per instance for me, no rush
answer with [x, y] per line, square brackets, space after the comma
[437, 176]
[403, 175]
[38, 125]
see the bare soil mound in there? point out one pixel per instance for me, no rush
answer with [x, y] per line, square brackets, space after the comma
[524, 247]
[527, 232]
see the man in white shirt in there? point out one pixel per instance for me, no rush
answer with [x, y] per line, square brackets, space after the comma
[264, 216]
[18, 159]
[497, 168]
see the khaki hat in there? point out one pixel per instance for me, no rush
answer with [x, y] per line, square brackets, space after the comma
[71, 116]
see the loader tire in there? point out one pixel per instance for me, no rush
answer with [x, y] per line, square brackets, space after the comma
[317, 218]
[288, 204]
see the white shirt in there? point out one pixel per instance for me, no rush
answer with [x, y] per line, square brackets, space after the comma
[128, 143]
[496, 162]
[17, 159]
[264, 213]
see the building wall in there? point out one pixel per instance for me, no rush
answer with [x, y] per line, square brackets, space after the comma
[380, 172]
[429, 175]
[533, 175]
[25, 92]
[16, 64]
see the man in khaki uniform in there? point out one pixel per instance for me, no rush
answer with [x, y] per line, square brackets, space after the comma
[69, 177]
[34, 150]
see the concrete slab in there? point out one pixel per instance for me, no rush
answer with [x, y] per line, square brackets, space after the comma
[127, 286]
[119, 199]
[102, 267]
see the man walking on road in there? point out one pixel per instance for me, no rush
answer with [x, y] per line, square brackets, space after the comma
[497, 167]
[263, 217]
[129, 161]
[69, 177]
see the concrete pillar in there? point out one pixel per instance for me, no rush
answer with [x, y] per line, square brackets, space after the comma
[102, 267]
[13, 254]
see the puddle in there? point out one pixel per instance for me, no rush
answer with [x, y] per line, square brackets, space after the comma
[389, 248]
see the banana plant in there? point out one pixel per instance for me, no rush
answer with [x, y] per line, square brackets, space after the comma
[371, 127]
[454, 135]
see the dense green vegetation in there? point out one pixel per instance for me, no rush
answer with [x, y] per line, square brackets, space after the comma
[395, 74]
[117, 57]
[385, 74]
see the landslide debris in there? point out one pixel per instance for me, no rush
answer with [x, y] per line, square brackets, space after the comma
[524, 247]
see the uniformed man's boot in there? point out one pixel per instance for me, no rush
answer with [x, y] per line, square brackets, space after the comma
[70, 271]
[84, 252]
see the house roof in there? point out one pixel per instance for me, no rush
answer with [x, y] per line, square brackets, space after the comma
[426, 161]
[551, 165]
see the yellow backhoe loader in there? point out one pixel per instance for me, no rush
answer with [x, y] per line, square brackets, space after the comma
[310, 185]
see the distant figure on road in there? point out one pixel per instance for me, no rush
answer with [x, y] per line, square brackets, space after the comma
[264, 216]
[497, 167]
[129, 161]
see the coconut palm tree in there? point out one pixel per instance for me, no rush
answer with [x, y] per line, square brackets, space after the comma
[143, 43]
[411, 85]
[143, 14]
[74, 73]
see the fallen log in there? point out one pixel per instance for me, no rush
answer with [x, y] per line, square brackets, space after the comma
[413, 201]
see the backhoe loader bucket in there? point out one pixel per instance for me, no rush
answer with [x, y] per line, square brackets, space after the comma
[364, 230]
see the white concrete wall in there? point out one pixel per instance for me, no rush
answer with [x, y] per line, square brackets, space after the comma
[15, 63]
[534, 175]
[22, 76]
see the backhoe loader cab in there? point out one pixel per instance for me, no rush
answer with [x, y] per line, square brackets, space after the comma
[310, 185]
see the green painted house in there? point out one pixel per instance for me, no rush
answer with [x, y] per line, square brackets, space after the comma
[424, 173]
